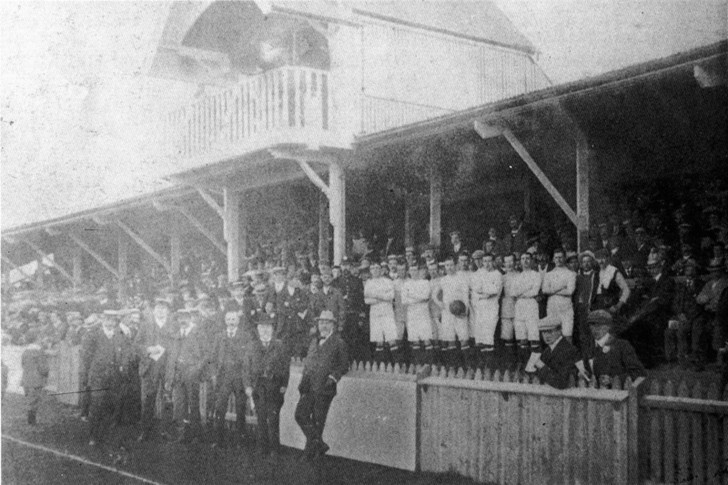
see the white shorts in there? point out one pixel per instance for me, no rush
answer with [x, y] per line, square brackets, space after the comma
[452, 326]
[483, 325]
[562, 308]
[419, 324]
[526, 319]
[382, 327]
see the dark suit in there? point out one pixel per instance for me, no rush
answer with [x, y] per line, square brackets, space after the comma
[108, 361]
[515, 242]
[151, 372]
[620, 360]
[182, 376]
[290, 327]
[324, 366]
[35, 375]
[266, 371]
[353, 332]
[329, 299]
[229, 368]
[647, 327]
[559, 364]
[584, 298]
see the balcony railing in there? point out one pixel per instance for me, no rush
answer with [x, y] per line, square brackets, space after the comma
[284, 105]
[380, 114]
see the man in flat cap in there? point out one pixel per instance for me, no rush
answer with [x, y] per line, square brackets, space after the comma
[327, 361]
[560, 361]
[155, 338]
[610, 356]
[265, 376]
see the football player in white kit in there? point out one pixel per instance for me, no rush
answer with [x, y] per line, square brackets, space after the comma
[525, 289]
[455, 287]
[379, 295]
[508, 305]
[486, 286]
[433, 272]
[416, 298]
[559, 284]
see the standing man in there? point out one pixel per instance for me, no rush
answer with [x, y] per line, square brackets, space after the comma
[455, 296]
[587, 280]
[525, 289]
[326, 363]
[508, 307]
[416, 299]
[35, 374]
[109, 354]
[182, 376]
[330, 298]
[515, 241]
[486, 287]
[265, 375]
[293, 318]
[559, 285]
[353, 334]
[153, 342]
[400, 311]
[379, 295]
[230, 352]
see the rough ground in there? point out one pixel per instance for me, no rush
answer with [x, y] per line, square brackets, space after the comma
[163, 462]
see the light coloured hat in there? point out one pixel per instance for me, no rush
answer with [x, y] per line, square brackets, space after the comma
[327, 315]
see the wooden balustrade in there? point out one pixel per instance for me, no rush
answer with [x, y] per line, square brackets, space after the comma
[256, 111]
[380, 114]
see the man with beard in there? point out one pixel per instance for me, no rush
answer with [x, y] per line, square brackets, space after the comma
[153, 342]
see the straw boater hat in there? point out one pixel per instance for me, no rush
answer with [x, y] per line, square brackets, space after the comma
[260, 289]
[600, 317]
[478, 254]
[163, 300]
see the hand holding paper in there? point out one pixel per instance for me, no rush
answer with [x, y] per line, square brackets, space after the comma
[531, 365]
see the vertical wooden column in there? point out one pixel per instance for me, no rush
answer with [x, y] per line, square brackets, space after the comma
[337, 209]
[408, 221]
[175, 249]
[435, 206]
[583, 154]
[243, 228]
[231, 223]
[77, 267]
[323, 246]
[122, 263]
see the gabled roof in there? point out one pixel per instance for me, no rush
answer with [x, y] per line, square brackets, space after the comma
[476, 20]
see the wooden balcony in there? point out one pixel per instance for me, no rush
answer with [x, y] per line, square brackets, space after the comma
[286, 105]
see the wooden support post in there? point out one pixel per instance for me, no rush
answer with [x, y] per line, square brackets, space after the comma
[44, 257]
[77, 267]
[582, 191]
[123, 263]
[231, 223]
[175, 250]
[337, 209]
[94, 254]
[141, 242]
[527, 197]
[323, 247]
[435, 206]
[407, 221]
[531, 163]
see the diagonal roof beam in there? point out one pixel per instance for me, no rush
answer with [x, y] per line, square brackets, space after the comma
[43, 255]
[141, 242]
[94, 254]
[204, 230]
[207, 197]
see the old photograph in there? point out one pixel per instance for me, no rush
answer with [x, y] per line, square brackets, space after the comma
[386, 242]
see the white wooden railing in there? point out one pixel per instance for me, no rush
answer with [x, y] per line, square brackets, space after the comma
[288, 104]
[380, 114]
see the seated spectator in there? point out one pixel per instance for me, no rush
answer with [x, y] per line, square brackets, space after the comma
[709, 298]
[560, 360]
[611, 356]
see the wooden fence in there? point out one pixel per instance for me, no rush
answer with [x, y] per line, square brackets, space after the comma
[684, 434]
[508, 428]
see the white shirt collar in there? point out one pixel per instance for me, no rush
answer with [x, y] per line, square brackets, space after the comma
[603, 341]
[159, 323]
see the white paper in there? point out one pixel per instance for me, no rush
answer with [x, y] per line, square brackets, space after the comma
[531, 365]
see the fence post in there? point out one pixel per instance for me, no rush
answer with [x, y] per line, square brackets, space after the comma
[633, 402]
